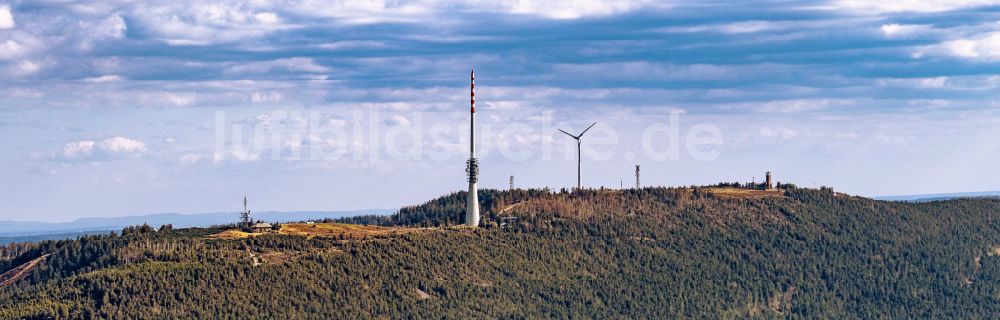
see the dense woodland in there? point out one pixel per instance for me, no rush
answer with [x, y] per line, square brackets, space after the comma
[646, 253]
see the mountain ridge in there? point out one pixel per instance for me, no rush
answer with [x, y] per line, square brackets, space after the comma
[10, 228]
[939, 196]
[659, 253]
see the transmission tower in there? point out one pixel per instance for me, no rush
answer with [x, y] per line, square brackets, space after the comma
[245, 215]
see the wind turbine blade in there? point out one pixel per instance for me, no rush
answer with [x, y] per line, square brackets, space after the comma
[568, 134]
[588, 128]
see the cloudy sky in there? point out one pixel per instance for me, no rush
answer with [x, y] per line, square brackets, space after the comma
[114, 108]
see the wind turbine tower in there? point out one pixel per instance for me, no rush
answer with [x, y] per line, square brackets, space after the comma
[472, 166]
[579, 140]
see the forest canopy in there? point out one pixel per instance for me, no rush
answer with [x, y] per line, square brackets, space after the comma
[637, 253]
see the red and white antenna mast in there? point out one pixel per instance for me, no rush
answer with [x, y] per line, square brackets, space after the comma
[472, 166]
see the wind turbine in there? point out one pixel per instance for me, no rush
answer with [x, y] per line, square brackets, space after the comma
[579, 140]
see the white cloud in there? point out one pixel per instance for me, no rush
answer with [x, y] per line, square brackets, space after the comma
[568, 9]
[242, 155]
[265, 97]
[733, 28]
[643, 70]
[790, 27]
[103, 79]
[181, 99]
[935, 82]
[10, 49]
[890, 29]
[397, 120]
[801, 105]
[783, 133]
[267, 18]
[880, 7]
[336, 122]
[749, 27]
[992, 82]
[924, 83]
[298, 64]
[237, 155]
[86, 148]
[6, 18]
[112, 27]
[354, 44]
[27, 67]
[122, 145]
[964, 48]
[423, 11]
[202, 23]
[895, 30]
[78, 148]
[190, 158]
[981, 47]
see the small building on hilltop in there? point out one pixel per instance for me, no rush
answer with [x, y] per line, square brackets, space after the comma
[261, 227]
[507, 222]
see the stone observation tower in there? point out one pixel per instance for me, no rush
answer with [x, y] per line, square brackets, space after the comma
[637, 185]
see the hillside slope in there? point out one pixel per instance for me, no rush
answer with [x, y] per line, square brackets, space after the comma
[650, 253]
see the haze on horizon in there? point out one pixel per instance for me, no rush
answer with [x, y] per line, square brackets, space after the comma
[114, 108]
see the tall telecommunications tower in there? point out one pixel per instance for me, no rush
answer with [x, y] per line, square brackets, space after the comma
[472, 166]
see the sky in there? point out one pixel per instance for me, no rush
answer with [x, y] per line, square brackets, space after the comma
[115, 108]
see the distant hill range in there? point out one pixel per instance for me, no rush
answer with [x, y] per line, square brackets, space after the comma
[50, 236]
[940, 196]
[33, 231]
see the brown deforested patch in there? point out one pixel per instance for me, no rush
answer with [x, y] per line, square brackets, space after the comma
[343, 230]
[20, 272]
[421, 295]
[746, 193]
[233, 235]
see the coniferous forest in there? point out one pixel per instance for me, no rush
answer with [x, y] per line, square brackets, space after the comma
[608, 254]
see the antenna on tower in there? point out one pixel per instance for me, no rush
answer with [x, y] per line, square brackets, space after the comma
[579, 140]
[512, 183]
[245, 215]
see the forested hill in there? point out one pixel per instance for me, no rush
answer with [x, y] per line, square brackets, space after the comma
[648, 253]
